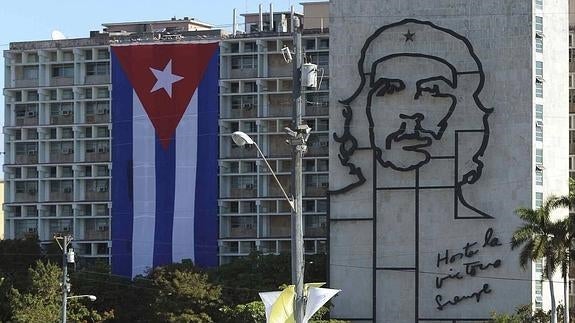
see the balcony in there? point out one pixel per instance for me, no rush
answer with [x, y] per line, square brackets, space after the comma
[97, 156]
[30, 158]
[29, 196]
[242, 192]
[30, 120]
[65, 118]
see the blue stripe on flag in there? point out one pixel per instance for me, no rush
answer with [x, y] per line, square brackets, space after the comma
[205, 217]
[165, 193]
[122, 208]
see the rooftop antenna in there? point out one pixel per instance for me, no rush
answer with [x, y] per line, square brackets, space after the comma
[57, 35]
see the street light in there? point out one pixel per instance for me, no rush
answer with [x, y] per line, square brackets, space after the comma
[90, 297]
[241, 139]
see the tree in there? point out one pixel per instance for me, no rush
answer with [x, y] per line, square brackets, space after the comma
[184, 294]
[568, 253]
[541, 239]
[245, 277]
[523, 314]
[130, 300]
[41, 301]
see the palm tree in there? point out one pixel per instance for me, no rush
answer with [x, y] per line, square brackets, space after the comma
[538, 236]
[568, 232]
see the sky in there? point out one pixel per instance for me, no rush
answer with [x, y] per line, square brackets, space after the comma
[36, 19]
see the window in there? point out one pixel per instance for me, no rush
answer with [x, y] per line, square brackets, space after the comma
[310, 44]
[88, 54]
[538, 89]
[538, 199]
[538, 177]
[67, 94]
[539, 133]
[539, 4]
[250, 47]
[324, 43]
[32, 96]
[240, 62]
[101, 68]
[539, 156]
[539, 112]
[250, 87]
[321, 59]
[570, 40]
[538, 24]
[235, 48]
[30, 72]
[66, 70]
[102, 92]
[538, 43]
[103, 54]
[539, 69]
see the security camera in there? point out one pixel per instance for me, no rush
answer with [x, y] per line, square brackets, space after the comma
[286, 54]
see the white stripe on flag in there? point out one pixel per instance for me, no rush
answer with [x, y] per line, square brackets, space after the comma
[144, 186]
[184, 201]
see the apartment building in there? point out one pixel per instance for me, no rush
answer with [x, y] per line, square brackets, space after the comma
[256, 98]
[58, 131]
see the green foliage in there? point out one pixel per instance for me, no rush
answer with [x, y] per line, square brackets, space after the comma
[41, 301]
[17, 256]
[184, 294]
[253, 312]
[523, 314]
[130, 300]
[245, 277]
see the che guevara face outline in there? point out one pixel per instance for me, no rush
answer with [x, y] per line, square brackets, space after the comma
[408, 112]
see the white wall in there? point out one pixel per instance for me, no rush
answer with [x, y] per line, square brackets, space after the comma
[411, 227]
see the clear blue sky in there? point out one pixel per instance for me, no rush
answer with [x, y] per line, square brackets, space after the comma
[36, 19]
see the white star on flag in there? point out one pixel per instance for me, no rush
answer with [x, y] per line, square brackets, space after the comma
[165, 79]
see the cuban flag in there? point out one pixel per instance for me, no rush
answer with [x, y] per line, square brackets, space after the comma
[164, 155]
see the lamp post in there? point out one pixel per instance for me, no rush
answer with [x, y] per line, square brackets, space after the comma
[298, 140]
[90, 297]
[67, 257]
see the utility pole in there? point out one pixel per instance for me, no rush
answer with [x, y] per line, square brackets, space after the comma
[299, 148]
[67, 257]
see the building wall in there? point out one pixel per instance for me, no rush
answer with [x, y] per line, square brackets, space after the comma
[395, 213]
[57, 140]
[255, 97]
[316, 15]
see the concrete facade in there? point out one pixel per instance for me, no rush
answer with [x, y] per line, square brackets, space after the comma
[255, 97]
[437, 121]
[58, 132]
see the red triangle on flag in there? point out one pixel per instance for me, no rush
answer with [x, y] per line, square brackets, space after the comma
[165, 77]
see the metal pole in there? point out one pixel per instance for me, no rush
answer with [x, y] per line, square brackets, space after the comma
[64, 276]
[64, 246]
[297, 180]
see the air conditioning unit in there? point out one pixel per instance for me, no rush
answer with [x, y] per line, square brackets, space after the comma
[32, 230]
[539, 123]
[102, 189]
[102, 228]
[66, 229]
[67, 190]
[67, 151]
[324, 184]
[102, 149]
[66, 112]
[247, 106]
[31, 114]
[539, 167]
